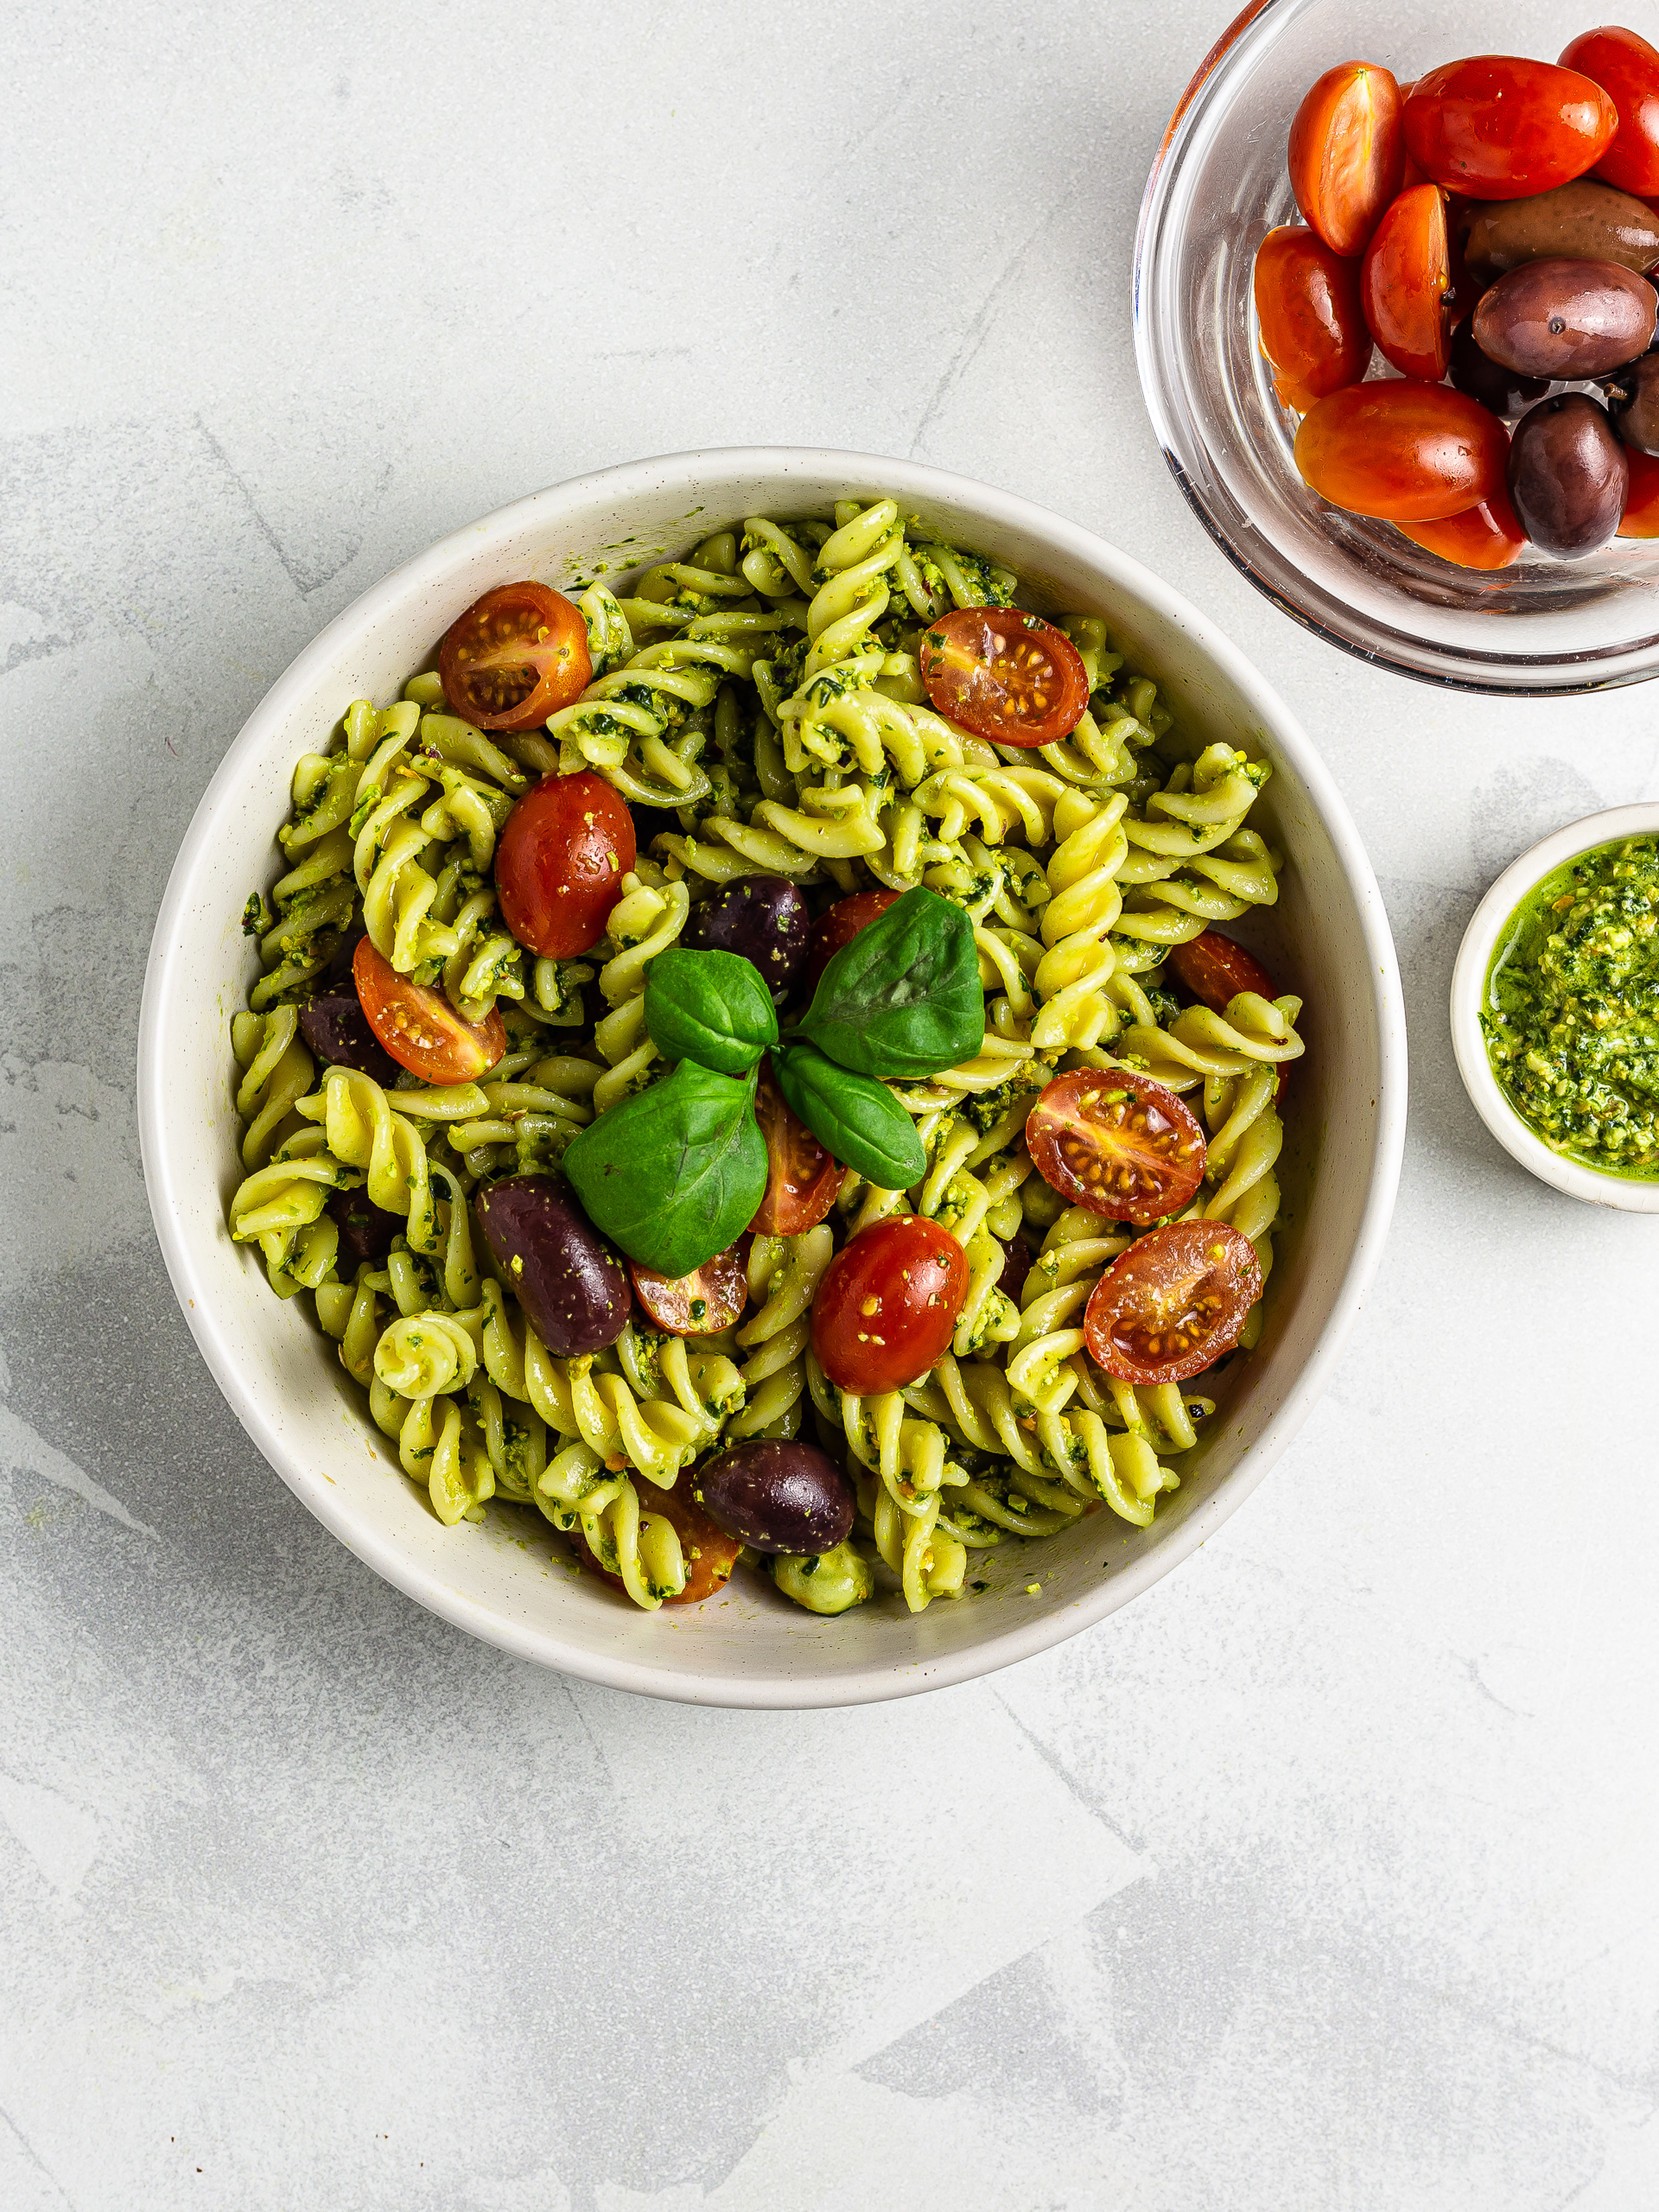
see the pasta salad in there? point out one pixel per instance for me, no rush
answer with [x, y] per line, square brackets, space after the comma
[747, 1066]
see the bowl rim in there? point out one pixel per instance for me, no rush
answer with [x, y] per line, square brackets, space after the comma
[865, 1683]
[1571, 673]
[1595, 1187]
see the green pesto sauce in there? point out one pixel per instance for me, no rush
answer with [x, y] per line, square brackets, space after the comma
[1571, 1016]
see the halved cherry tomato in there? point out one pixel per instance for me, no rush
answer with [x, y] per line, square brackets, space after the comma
[1627, 68]
[1173, 1303]
[1216, 970]
[1486, 537]
[1407, 452]
[802, 1178]
[1499, 127]
[515, 657]
[887, 1305]
[1312, 327]
[1347, 153]
[838, 925]
[711, 1297]
[1641, 517]
[419, 1027]
[1117, 1143]
[1405, 284]
[709, 1553]
[560, 862]
[1008, 675]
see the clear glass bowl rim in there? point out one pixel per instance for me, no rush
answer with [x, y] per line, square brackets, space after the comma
[1512, 675]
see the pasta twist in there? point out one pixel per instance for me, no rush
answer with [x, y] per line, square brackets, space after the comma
[645, 920]
[783, 1274]
[276, 1072]
[1191, 863]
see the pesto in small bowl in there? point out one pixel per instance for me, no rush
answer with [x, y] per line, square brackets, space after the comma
[1570, 1010]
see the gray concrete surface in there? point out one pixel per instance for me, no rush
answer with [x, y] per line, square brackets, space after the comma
[1324, 1876]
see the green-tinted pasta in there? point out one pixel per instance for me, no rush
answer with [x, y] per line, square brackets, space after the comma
[764, 693]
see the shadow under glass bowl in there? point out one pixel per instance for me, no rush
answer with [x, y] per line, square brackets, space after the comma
[1218, 184]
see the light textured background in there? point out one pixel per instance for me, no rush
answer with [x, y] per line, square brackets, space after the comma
[1323, 1877]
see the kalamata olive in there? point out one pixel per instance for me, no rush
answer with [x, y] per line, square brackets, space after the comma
[764, 918]
[571, 1285]
[1489, 381]
[1566, 319]
[366, 1231]
[1568, 475]
[1633, 400]
[336, 1028]
[1585, 220]
[1016, 1266]
[778, 1496]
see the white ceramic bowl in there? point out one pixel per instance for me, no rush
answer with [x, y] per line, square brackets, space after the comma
[505, 1581]
[1469, 987]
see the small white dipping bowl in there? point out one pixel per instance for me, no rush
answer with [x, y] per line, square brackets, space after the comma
[506, 1580]
[1469, 989]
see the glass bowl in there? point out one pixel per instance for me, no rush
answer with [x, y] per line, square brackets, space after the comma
[1218, 184]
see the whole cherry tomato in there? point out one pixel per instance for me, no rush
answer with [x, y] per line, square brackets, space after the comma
[838, 925]
[1407, 452]
[1486, 537]
[1627, 68]
[709, 1553]
[1406, 284]
[1117, 1143]
[419, 1027]
[886, 1308]
[1005, 675]
[1641, 517]
[1347, 152]
[1312, 327]
[1215, 971]
[711, 1297]
[1498, 127]
[1173, 1303]
[560, 862]
[515, 657]
[802, 1178]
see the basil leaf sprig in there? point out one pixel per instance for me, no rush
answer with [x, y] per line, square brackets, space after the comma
[675, 1174]
[857, 1120]
[902, 999]
[711, 1007]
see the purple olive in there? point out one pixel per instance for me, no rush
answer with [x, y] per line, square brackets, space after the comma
[1490, 382]
[1016, 1266]
[777, 1495]
[571, 1285]
[764, 918]
[1581, 221]
[1568, 476]
[1566, 319]
[336, 1028]
[366, 1231]
[1633, 400]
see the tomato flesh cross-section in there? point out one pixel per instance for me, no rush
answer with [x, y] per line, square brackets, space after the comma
[1175, 1301]
[1117, 1143]
[1005, 675]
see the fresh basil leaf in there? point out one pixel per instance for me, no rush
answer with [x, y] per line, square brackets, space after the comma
[676, 1172]
[711, 1007]
[904, 998]
[854, 1117]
